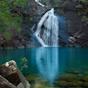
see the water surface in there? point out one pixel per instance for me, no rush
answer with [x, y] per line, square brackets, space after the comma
[69, 59]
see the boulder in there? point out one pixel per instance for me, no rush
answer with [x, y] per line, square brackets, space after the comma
[10, 75]
[5, 83]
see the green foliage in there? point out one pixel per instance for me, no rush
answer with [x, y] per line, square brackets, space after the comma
[85, 19]
[7, 21]
[21, 3]
[7, 35]
[84, 1]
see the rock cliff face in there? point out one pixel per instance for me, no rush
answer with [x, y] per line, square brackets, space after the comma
[76, 17]
[75, 13]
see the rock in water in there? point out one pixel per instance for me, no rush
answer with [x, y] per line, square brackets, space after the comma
[5, 83]
[11, 72]
[20, 86]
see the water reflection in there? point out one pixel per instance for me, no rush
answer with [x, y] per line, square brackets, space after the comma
[47, 60]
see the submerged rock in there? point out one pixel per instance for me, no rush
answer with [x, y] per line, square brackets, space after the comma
[72, 80]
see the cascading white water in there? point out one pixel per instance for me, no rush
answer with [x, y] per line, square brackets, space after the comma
[47, 57]
[38, 1]
[47, 30]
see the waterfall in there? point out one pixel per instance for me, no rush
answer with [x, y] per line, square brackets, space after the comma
[47, 30]
[38, 1]
[47, 58]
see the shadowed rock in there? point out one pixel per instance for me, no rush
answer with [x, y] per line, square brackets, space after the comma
[11, 77]
[5, 83]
